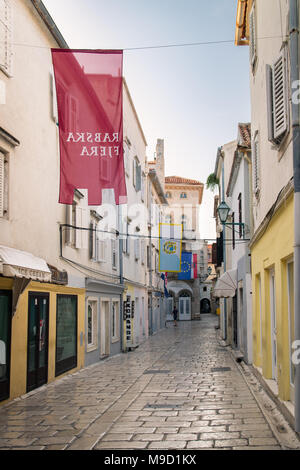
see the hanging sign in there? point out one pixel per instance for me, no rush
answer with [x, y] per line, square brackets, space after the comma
[90, 118]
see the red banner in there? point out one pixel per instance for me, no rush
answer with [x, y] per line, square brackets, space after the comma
[90, 118]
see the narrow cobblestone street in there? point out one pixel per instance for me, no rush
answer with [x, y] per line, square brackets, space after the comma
[179, 390]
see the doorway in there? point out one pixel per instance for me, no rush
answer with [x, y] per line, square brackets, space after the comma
[273, 324]
[104, 329]
[37, 352]
[5, 339]
[184, 307]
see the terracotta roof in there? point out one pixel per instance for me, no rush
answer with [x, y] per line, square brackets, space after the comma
[179, 180]
[244, 134]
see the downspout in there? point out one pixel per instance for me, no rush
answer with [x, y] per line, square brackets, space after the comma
[224, 247]
[121, 280]
[294, 68]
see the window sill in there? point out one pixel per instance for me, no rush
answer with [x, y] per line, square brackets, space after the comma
[91, 348]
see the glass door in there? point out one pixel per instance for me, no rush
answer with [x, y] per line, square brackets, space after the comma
[5, 334]
[184, 308]
[38, 320]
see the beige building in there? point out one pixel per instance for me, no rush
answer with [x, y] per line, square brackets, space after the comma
[184, 197]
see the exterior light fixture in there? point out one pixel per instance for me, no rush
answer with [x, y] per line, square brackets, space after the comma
[223, 211]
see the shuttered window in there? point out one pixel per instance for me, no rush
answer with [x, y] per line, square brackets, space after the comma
[5, 37]
[256, 164]
[253, 36]
[114, 253]
[277, 99]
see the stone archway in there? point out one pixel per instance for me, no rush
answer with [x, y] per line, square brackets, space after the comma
[205, 306]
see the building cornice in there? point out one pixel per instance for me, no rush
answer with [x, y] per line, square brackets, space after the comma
[284, 194]
[49, 22]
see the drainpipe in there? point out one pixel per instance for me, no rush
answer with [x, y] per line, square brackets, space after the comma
[121, 279]
[294, 67]
[224, 248]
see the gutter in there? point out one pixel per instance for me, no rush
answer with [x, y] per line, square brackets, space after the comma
[49, 22]
[294, 77]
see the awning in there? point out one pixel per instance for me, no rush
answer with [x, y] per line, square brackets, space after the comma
[20, 264]
[226, 285]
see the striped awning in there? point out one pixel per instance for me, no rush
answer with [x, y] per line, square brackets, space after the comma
[227, 284]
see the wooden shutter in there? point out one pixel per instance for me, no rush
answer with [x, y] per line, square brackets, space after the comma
[279, 96]
[269, 87]
[5, 37]
[2, 182]
[54, 99]
[138, 184]
[252, 32]
[68, 230]
[255, 165]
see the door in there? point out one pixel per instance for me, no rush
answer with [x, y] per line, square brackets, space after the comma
[273, 324]
[38, 322]
[104, 329]
[184, 308]
[235, 321]
[5, 338]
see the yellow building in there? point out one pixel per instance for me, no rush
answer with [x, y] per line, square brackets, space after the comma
[272, 245]
[42, 339]
[273, 297]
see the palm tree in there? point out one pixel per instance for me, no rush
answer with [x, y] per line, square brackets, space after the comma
[212, 182]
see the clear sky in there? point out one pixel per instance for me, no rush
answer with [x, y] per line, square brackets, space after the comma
[192, 97]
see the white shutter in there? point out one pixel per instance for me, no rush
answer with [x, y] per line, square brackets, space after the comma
[256, 165]
[54, 99]
[68, 230]
[136, 248]
[93, 248]
[79, 223]
[279, 96]
[5, 37]
[252, 33]
[143, 250]
[114, 253]
[1, 184]
[100, 250]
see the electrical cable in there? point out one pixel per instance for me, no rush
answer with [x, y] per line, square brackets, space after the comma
[159, 46]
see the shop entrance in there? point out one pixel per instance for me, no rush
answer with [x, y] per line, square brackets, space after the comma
[5, 334]
[38, 325]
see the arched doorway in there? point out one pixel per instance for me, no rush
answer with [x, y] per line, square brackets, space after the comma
[205, 306]
[185, 311]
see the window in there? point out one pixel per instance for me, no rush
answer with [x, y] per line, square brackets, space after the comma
[137, 248]
[5, 37]
[3, 185]
[115, 320]
[92, 324]
[290, 282]
[256, 164]
[114, 253]
[253, 37]
[137, 175]
[277, 99]
[76, 218]
[184, 222]
[168, 219]
[183, 195]
[66, 333]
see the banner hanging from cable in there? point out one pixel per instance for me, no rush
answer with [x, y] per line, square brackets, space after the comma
[89, 90]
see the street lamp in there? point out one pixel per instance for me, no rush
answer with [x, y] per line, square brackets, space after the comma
[223, 211]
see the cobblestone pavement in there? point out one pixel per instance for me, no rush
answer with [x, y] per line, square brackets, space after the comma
[179, 390]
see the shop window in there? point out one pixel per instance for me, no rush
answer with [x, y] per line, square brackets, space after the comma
[66, 333]
[92, 324]
[115, 320]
